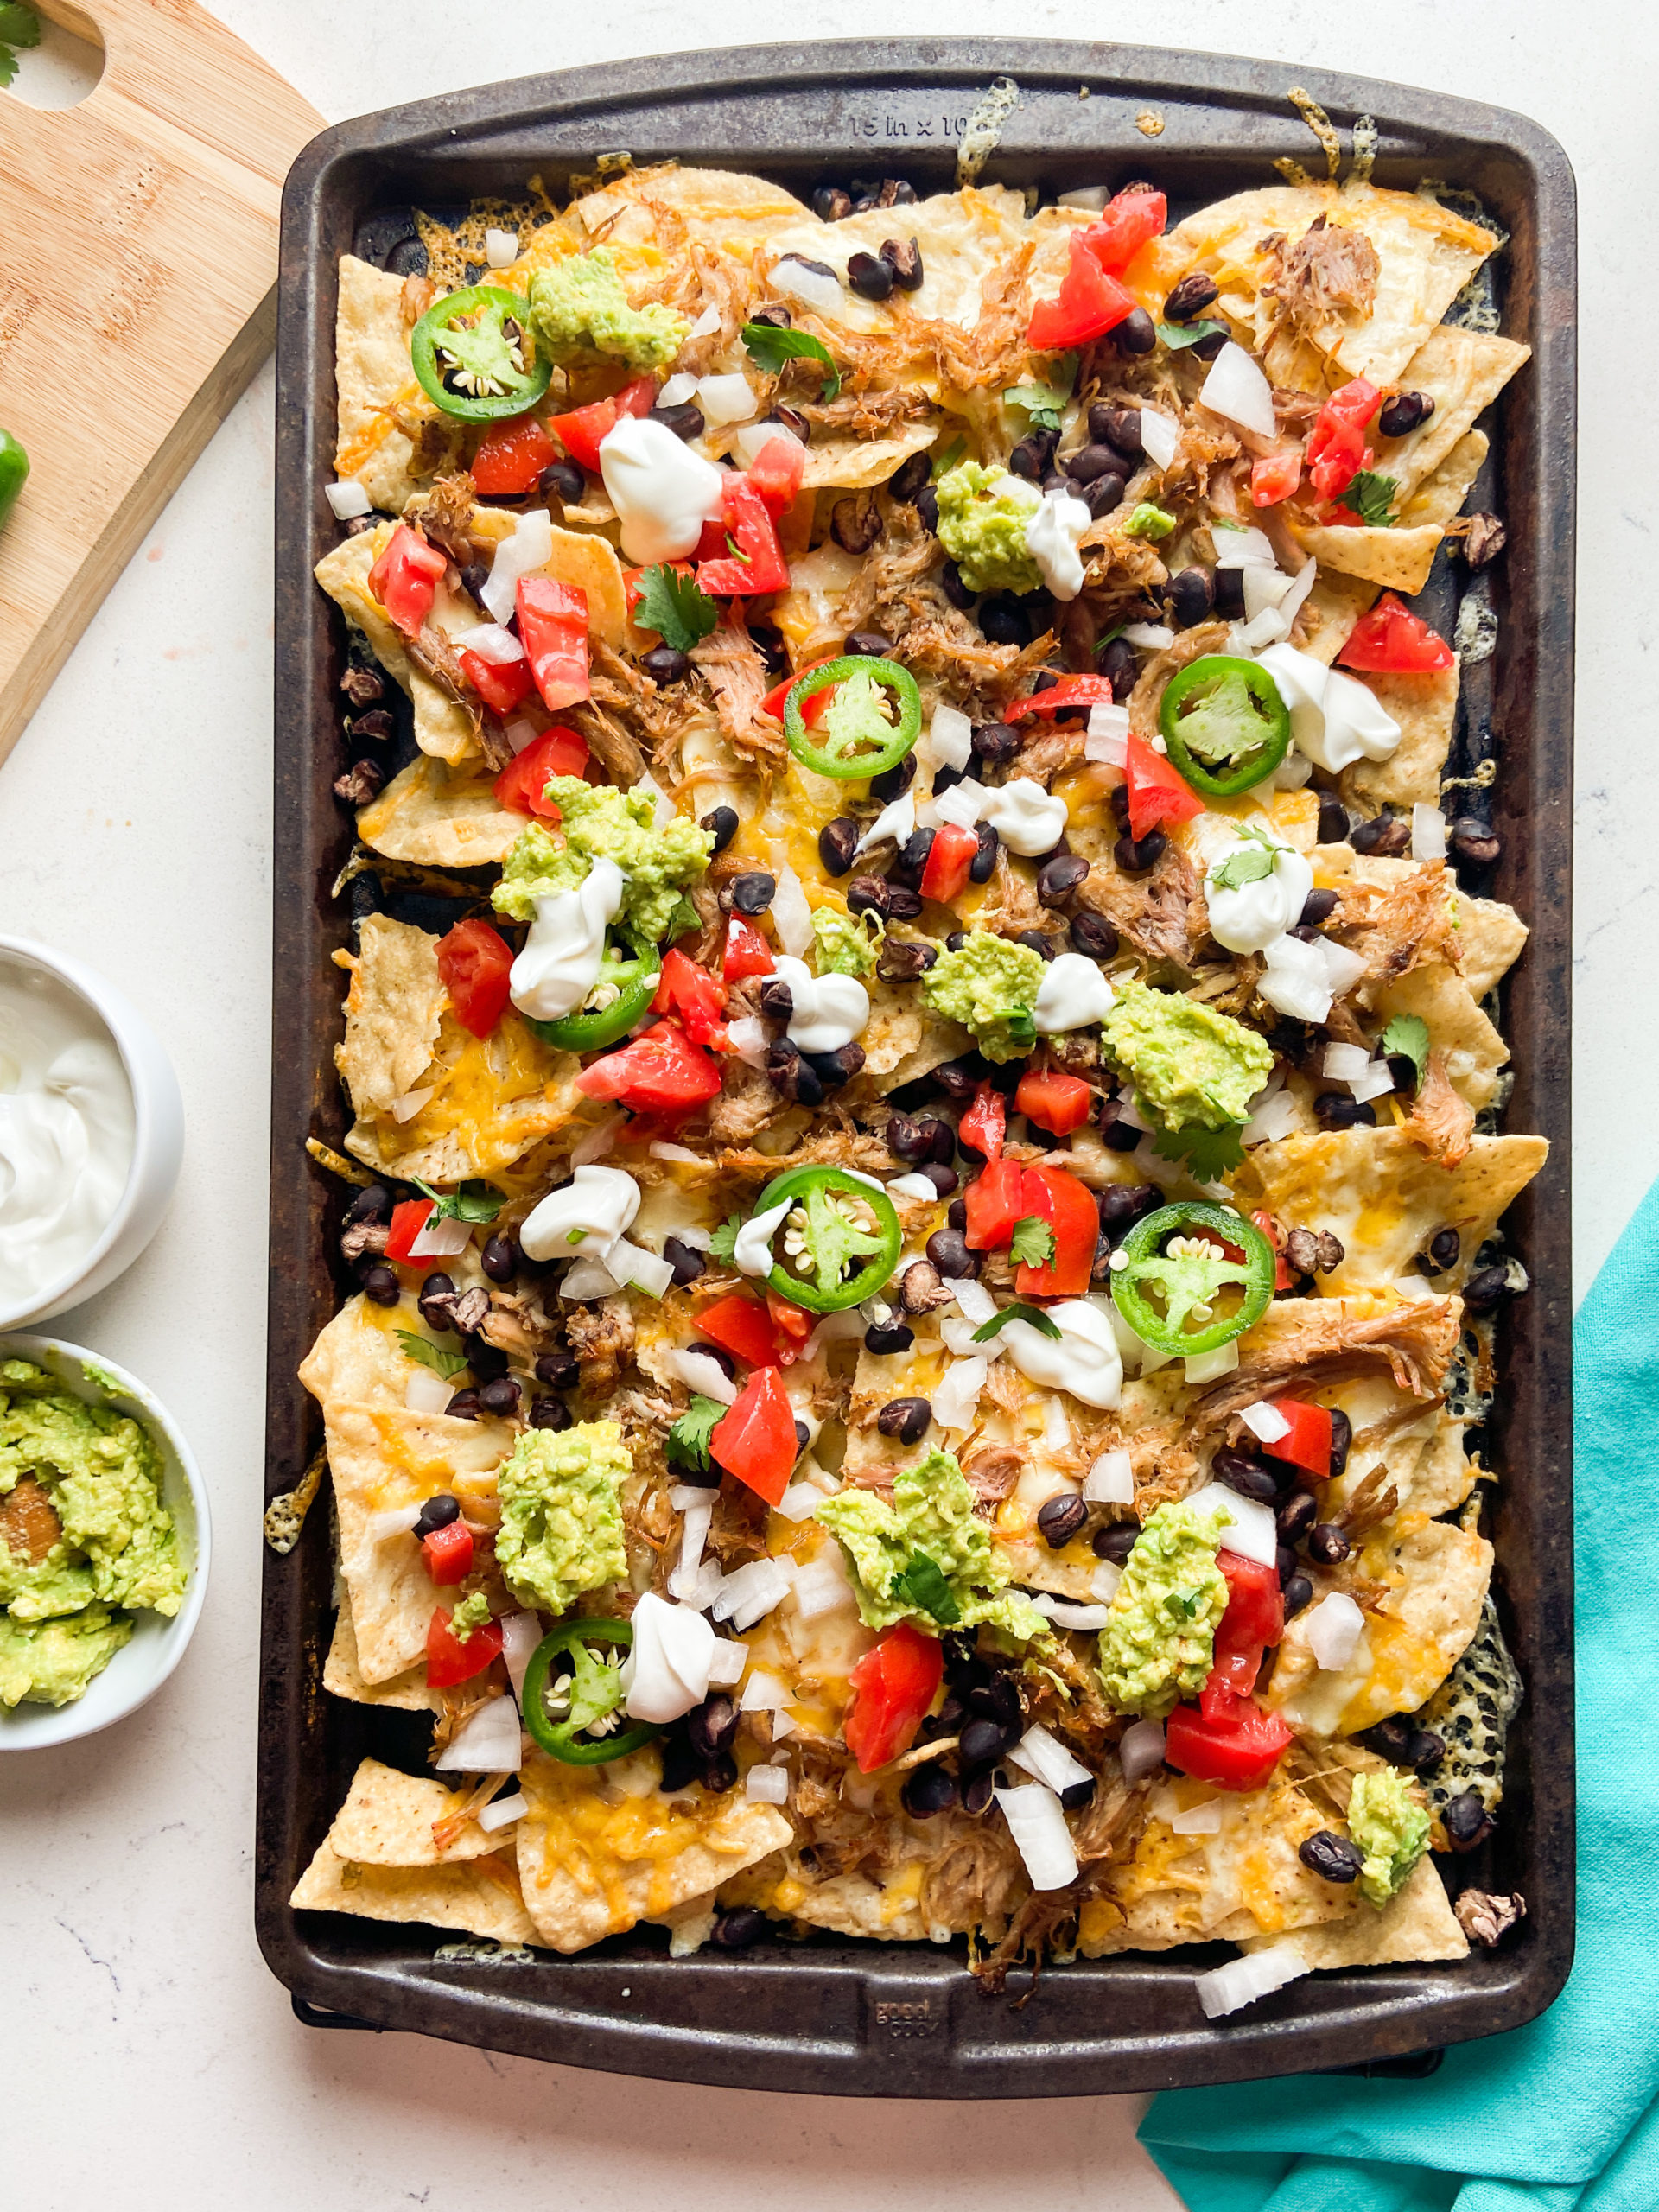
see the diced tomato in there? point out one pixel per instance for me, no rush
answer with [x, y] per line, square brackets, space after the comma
[1090, 303]
[501, 684]
[1275, 477]
[759, 565]
[948, 859]
[1309, 1444]
[407, 1219]
[513, 456]
[746, 952]
[521, 784]
[994, 1201]
[776, 473]
[1238, 1748]
[1336, 445]
[1158, 792]
[1124, 226]
[986, 1121]
[449, 1553]
[791, 1322]
[1392, 640]
[816, 708]
[584, 429]
[1255, 1618]
[696, 997]
[1282, 1276]
[405, 578]
[553, 630]
[474, 965]
[1070, 1211]
[633, 584]
[660, 1072]
[448, 1660]
[742, 1325]
[1071, 692]
[755, 1440]
[1057, 1103]
[893, 1685]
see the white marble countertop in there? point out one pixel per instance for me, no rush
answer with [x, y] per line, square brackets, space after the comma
[135, 819]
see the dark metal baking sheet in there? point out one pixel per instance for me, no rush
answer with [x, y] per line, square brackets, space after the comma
[831, 2016]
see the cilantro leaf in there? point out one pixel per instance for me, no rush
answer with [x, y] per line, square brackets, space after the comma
[7, 65]
[1032, 1242]
[1208, 1154]
[1408, 1033]
[922, 1584]
[687, 1442]
[472, 1201]
[723, 1243]
[672, 605]
[1019, 1311]
[1244, 864]
[1178, 335]
[769, 349]
[1371, 497]
[683, 919]
[1043, 404]
[427, 1354]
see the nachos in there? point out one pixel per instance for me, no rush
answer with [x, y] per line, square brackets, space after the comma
[925, 1074]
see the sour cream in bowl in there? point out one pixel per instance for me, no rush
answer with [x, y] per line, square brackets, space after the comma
[92, 1132]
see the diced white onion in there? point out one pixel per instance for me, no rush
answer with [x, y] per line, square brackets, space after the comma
[683, 1582]
[1105, 1581]
[520, 1634]
[632, 1263]
[751, 1592]
[598, 1139]
[727, 1663]
[958, 1336]
[1151, 637]
[765, 1692]
[1427, 832]
[1333, 1627]
[726, 399]
[502, 1812]
[749, 1039]
[1251, 1530]
[588, 1279]
[1066, 1615]
[427, 1392]
[1205, 1366]
[501, 247]
[705, 327]
[406, 1108]
[1303, 581]
[1110, 742]
[822, 1585]
[347, 498]
[1265, 1422]
[791, 916]
[949, 739]
[488, 1743]
[1241, 548]
[1057, 1429]
[1375, 1082]
[751, 441]
[974, 1302]
[682, 384]
[1198, 1819]
[1140, 1749]
[1343, 968]
[1240, 1981]
[441, 1240]
[660, 1148]
[896, 820]
[1344, 1061]
[1110, 1481]
[699, 1372]
[766, 1785]
[956, 1401]
[529, 548]
[960, 804]
[662, 805]
[912, 1186]
[1297, 981]
[800, 1502]
[520, 734]
[395, 1521]
[811, 287]
[1414, 1287]
[1037, 1822]
[1129, 1113]
[1047, 1757]
[1090, 198]
[1160, 437]
[1264, 629]
[1263, 587]
[1275, 1116]
[491, 643]
[1236, 389]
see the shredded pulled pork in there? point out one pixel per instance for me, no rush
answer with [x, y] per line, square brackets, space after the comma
[601, 1338]
[1415, 1342]
[747, 1101]
[991, 354]
[1330, 269]
[993, 1471]
[731, 663]
[445, 514]
[973, 1879]
[1441, 1125]
[837, 1148]
[1161, 915]
[1051, 752]
[1397, 929]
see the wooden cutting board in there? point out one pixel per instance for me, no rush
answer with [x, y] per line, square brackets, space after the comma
[137, 297]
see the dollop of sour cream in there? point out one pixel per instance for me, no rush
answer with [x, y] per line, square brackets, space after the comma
[662, 491]
[1073, 993]
[1028, 819]
[1084, 1359]
[1250, 916]
[66, 1132]
[829, 1010]
[1334, 719]
[560, 964]
[1051, 537]
[584, 1219]
[752, 1248]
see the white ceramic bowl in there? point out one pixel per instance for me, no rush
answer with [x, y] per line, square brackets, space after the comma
[156, 1645]
[157, 1143]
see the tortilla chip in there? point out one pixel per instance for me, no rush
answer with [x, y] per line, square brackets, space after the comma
[940, 1040]
[1474, 1051]
[381, 406]
[1377, 1193]
[437, 819]
[357, 1359]
[441, 727]
[589, 564]
[1339, 601]
[848, 464]
[1440, 496]
[1396, 559]
[480, 1895]
[854, 1904]
[1416, 1927]
[388, 1816]
[1445, 1474]
[1490, 938]
[1462, 371]
[583, 1883]
[342, 1677]
[1425, 707]
[394, 1008]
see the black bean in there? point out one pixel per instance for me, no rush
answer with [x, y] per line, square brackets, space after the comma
[1120, 1205]
[1004, 622]
[686, 1260]
[1042, 945]
[721, 1358]
[1333, 1858]
[1333, 820]
[907, 480]
[976, 1794]
[1424, 1750]
[1033, 455]
[904, 1418]
[869, 275]
[984, 861]
[1472, 842]
[1334, 1110]
[499, 1259]
[904, 257]
[901, 960]
[941, 1140]
[487, 1360]
[869, 895]
[1318, 908]
[1405, 412]
[1117, 1542]
[996, 1698]
[712, 1725]
[955, 1216]
[722, 825]
[464, 1405]
[563, 481]
[994, 743]
[1137, 855]
[792, 419]
[437, 1513]
[944, 1179]
[499, 1396]
[947, 1249]
[904, 904]
[1058, 879]
[437, 1302]
[551, 1412]
[772, 649]
[911, 1140]
[1137, 334]
[981, 1743]
[745, 1923]
[951, 575]
[893, 783]
[1115, 661]
[886, 1339]
[1094, 460]
[1247, 1476]
[830, 204]
[928, 1789]
[1057, 481]
[1118, 1135]
[895, 193]
[1302, 1250]
[1386, 834]
[753, 894]
[475, 575]
[563, 1370]
[361, 783]
[1190, 297]
[1483, 1294]
[909, 863]
[1104, 495]
[1077, 1795]
[1466, 1821]
[867, 645]
[836, 1068]
[1093, 934]
[1297, 1594]
[1206, 348]
[1342, 1436]
[1388, 1738]
[1297, 1516]
[666, 665]
[1059, 1518]
[720, 1775]
[1190, 595]
[374, 727]
[927, 506]
[1444, 1247]
[1119, 427]
[838, 842]
[381, 1284]
[855, 524]
[686, 421]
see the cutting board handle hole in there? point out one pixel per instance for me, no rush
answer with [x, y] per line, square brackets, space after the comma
[67, 65]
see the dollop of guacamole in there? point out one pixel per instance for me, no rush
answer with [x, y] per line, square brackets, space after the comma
[927, 1557]
[845, 946]
[579, 306]
[598, 821]
[1388, 1821]
[561, 1529]
[990, 985]
[471, 1613]
[983, 517]
[82, 1529]
[1194, 1067]
[1158, 1645]
[1147, 521]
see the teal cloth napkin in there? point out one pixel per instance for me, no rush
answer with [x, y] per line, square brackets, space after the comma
[1558, 2116]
